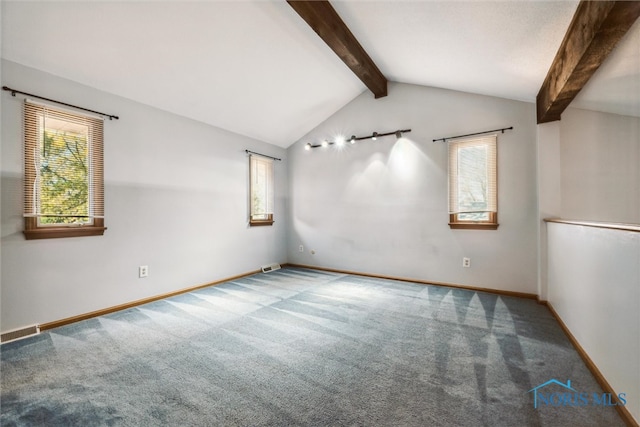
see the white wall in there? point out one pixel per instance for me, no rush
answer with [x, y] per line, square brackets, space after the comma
[381, 207]
[176, 195]
[594, 286]
[600, 166]
[593, 275]
[549, 193]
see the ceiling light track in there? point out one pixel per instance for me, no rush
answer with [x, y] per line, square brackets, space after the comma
[342, 141]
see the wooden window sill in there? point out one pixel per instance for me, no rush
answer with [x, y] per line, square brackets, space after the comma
[59, 232]
[260, 223]
[473, 226]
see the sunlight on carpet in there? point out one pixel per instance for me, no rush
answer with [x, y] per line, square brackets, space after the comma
[301, 347]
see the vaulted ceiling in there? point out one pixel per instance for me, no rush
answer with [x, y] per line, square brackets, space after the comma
[257, 69]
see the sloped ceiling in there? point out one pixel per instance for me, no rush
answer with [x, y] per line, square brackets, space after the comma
[257, 69]
[615, 86]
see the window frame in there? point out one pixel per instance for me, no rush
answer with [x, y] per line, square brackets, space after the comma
[267, 218]
[33, 229]
[491, 142]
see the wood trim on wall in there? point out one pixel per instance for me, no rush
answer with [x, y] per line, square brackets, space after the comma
[109, 310]
[113, 309]
[622, 411]
[606, 387]
[422, 282]
[596, 224]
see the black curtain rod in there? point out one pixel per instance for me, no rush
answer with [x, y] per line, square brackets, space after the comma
[14, 91]
[472, 134]
[263, 155]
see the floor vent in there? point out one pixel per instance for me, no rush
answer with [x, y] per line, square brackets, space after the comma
[270, 267]
[17, 334]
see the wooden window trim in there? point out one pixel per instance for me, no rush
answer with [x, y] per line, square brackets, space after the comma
[33, 232]
[261, 222]
[491, 224]
[33, 113]
[263, 216]
[491, 142]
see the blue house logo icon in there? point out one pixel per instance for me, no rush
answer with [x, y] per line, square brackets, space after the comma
[551, 381]
[571, 397]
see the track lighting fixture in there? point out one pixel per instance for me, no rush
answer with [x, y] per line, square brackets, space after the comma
[341, 140]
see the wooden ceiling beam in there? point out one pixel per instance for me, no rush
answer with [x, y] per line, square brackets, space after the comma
[326, 22]
[595, 29]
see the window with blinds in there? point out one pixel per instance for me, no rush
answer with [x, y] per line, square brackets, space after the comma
[261, 191]
[64, 186]
[473, 189]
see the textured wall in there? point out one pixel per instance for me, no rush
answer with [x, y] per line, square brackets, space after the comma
[600, 166]
[381, 207]
[176, 194]
[594, 286]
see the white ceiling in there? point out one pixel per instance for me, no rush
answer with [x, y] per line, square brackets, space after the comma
[615, 86]
[257, 69]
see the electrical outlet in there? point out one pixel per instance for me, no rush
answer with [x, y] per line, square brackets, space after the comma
[143, 271]
[466, 262]
[300, 248]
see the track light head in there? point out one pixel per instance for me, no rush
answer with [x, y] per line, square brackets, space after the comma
[398, 134]
[353, 139]
[307, 146]
[374, 136]
[325, 143]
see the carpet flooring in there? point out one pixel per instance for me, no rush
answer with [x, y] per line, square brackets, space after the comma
[300, 347]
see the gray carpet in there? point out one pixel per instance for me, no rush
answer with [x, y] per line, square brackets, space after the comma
[301, 347]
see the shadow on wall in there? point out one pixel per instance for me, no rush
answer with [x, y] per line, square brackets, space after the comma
[12, 201]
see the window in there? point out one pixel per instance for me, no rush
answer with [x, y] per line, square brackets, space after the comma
[261, 190]
[473, 194]
[63, 182]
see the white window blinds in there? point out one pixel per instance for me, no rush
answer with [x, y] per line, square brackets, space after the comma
[262, 188]
[473, 176]
[63, 166]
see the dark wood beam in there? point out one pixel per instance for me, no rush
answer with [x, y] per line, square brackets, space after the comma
[596, 28]
[326, 22]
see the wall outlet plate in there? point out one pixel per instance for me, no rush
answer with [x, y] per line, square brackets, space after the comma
[466, 262]
[143, 271]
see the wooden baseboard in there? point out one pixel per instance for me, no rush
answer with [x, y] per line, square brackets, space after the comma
[606, 387]
[108, 310]
[422, 282]
[624, 413]
[113, 309]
